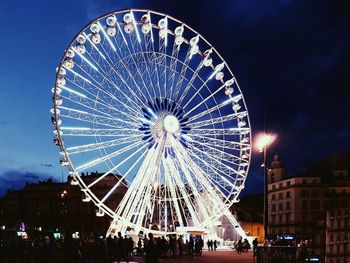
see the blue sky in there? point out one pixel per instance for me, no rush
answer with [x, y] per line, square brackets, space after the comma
[294, 52]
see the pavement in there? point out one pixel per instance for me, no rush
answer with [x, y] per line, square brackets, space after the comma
[222, 256]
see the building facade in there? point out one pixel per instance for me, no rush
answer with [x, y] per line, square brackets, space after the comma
[51, 206]
[302, 205]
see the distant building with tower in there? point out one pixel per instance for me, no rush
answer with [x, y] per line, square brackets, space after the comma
[313, 205]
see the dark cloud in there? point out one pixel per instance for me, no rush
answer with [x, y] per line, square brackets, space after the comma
[15, 180]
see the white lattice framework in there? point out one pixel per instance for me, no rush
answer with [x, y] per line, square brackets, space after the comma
[144, 97]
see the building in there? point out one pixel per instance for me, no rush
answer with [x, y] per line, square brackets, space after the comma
[301, 205]
[249, 213]
[51, 206]
[338, 225]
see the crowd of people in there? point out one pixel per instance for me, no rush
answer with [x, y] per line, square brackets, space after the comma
[243, 246]
[99, 249]
[280, 249]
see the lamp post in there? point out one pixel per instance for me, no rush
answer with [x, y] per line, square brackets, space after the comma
[263, 141]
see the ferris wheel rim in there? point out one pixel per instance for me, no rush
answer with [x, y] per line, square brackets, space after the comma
[62, 146]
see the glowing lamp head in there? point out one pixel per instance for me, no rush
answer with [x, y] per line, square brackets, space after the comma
[171, 124]
[264, 140]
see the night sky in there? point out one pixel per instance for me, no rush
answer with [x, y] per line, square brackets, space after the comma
[291, 59]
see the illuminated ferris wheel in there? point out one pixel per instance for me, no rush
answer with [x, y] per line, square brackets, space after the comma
[143, 97]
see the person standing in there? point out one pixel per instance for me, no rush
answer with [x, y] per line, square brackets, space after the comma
[190, 246]
[151, 250]
[215, 245]
[201, 244]
[180, 244]
[255, 246]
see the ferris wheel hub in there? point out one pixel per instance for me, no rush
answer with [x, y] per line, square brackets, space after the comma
[171, 123]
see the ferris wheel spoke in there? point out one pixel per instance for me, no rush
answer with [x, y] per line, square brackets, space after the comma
[123, 177]
[89, 104]
[149, 45]
[209, 148]
[198, 91]
[101, 145]
[221, 143]
[163, 41]
[214, 108]
[201, 179]
[105, 76]
[95, 84]
[188, 202]
[130, 75]
[203, 206]
[114, 154]
[189, 84]
[182, 74]
[99, 70]
[146, 175]
[146, 58]
[173, 65]
[151, 170]
[93, 118]
[218, 161]
[125, 203]
[93, 132]
[102, 105]
[111, 67]
[220, 132]
[136, 64]
[204, 100]
[107, 157]
[174, 206]
[222, 119]
[220, 172]
[212, 175]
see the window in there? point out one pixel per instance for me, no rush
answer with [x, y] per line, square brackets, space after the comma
[339, 224]
[280, 206]
[315, 204]
[273, 208]
[280, 196]
[280, 185]
[288, 206]
[273, 187]
[287, 219]
[315, 193]
[288, 183]
[280, 219]
[273, 197]
[303, 193]
[273, 219]
[288, 194]
[304, 204]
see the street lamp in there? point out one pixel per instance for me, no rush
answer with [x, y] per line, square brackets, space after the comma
[262, 142]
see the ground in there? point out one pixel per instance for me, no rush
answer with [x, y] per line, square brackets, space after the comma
[224, 256]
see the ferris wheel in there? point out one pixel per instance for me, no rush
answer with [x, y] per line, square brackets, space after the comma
[144, 98]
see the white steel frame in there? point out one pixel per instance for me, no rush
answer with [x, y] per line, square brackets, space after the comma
[118, 79]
